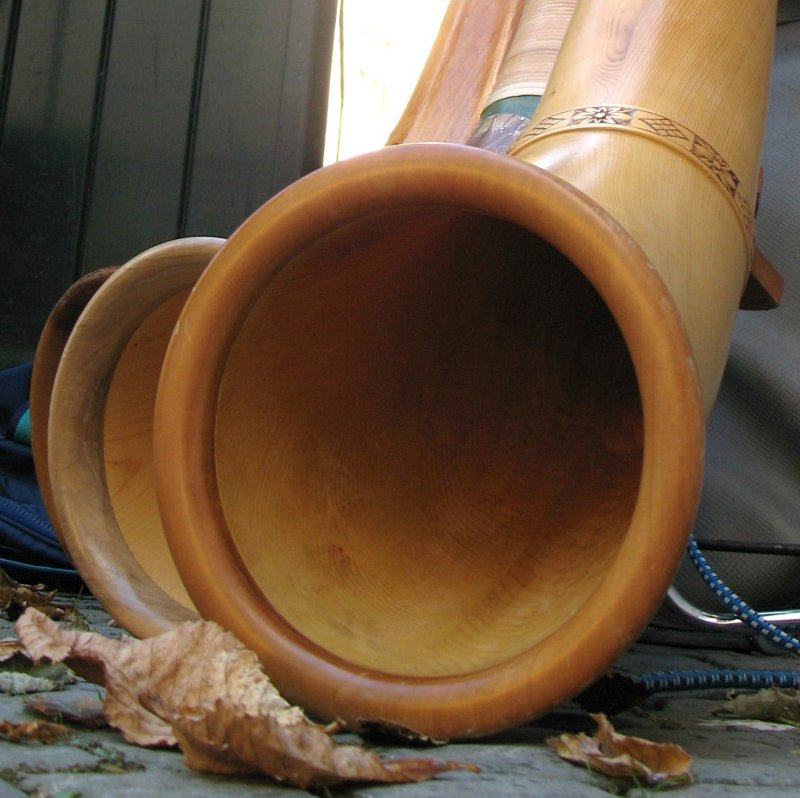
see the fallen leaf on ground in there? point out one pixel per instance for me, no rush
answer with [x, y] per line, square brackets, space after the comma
[18, 673]
[122, 666]
[199, 686]
[20, 683]
[621, 756]
[222, 737]
[37, 731]
[16, 597]
[772, 704]
[9, 647]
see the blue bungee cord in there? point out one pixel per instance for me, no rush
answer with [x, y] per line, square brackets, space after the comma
[617, 692]
[738, 606]
[727, 678]
[717, 679]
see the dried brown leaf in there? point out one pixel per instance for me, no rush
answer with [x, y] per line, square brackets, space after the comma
[16, 597]
[10, 647]
[224, 738]
[38, 731]
[19, 674]
[772, 704]
[621, 756]
[202, 685]
[21, 683]
[122, 665]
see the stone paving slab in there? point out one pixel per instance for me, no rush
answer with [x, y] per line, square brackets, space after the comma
[730, 759]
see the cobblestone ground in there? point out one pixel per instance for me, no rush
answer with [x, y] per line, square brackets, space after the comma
[731, 758]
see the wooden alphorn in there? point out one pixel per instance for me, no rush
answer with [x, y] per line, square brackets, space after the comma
[440, 418]
[429, 430]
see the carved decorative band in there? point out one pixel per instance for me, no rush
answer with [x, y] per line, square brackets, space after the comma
[638, 120]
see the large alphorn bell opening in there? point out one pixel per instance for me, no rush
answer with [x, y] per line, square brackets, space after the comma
[429, 430]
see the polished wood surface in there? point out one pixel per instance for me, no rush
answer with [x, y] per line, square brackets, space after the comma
[439, 412]
[428, 433]
[683, 181]
[416, 472]
[460, 71]
[534, 49]
[420, 463]
[53, 339]
[100, 437]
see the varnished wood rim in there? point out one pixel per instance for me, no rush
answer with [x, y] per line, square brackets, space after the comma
[452, 176]
[50, 347]
[75, 437]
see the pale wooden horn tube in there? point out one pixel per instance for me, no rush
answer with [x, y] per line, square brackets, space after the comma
[460, 71]
[533, 52]
[672, 154]
[524, 74]
[49, 349]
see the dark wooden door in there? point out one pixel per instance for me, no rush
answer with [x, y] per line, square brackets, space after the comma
[125, 123]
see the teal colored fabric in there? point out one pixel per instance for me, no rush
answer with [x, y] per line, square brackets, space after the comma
[22, 428]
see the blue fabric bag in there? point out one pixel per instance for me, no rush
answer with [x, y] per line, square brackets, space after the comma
[29, 549]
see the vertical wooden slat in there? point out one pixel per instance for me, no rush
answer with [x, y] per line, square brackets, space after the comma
[266, 63]
[304, 97]
[9, 25]
[129, 122]
[194, 111]
[94, 133]
[43, 156]
[136, 186]
[238, 115]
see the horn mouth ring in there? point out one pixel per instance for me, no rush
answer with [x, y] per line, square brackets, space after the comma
[531, 681]
[100, 436]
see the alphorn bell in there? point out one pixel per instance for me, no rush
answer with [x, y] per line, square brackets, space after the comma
[429, 433]
[93, 392]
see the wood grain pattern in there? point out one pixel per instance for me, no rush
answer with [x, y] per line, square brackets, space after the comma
[687, 201]
[439, 412]
[533, 52]
[411, 465]
[54, 337]
[100, 437]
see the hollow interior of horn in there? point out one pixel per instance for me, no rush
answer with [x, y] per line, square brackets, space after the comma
[128, 446]
[428, 441]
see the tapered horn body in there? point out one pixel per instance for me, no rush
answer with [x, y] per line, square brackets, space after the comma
[430, 430]
[667, 139]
